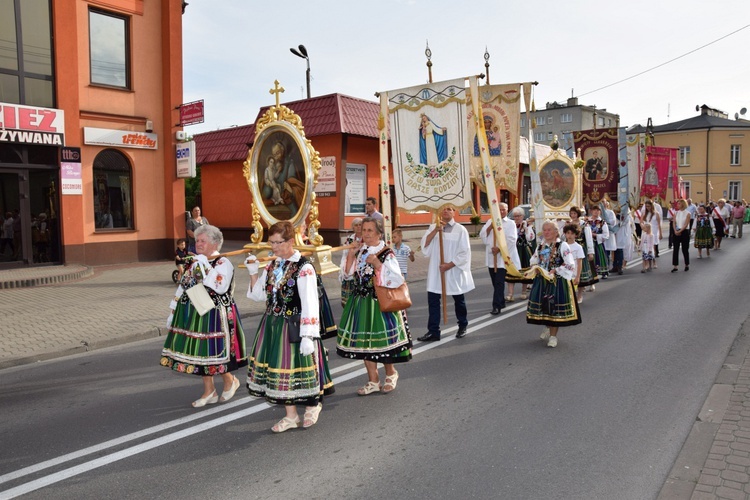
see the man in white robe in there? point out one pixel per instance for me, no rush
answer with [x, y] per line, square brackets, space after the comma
[494, 260]
[456, 267]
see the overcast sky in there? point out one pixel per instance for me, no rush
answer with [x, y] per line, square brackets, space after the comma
[235, 49]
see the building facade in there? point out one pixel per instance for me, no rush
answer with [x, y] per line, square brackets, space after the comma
[710, 154]
[562, 120]
[88, 98]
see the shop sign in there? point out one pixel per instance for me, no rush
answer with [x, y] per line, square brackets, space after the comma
[326, 186]
[21, 124]
[191, 113]
[119, 138]
[70, 171]
[185, 159]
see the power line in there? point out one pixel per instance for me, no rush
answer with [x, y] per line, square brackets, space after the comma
[665, 63]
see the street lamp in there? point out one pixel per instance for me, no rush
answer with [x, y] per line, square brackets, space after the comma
[302, 52]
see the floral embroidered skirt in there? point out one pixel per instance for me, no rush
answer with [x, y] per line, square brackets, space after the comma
[704, 237]
[367, 333]
[601, 260]
[204, 345]
[553, 303]
[277, 370]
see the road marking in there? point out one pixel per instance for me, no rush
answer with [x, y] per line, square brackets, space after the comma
[169, 438]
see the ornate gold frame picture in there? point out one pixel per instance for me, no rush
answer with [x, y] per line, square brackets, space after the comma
[561, 184]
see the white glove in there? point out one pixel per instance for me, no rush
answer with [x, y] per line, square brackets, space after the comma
[201, 259]
[306, 346]
[251, 263]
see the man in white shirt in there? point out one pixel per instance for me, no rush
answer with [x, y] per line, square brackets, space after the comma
[693, 209]
[371, 208]
[456, 268]
[494, 260]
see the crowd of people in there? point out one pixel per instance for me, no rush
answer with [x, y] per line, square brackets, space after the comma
[287, 363]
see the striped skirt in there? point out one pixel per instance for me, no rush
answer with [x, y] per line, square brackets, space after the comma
[277, 370]
[367, 333]
[588, 276]
[211, 344]
[601, 260]
[328, 326]
[553, 303]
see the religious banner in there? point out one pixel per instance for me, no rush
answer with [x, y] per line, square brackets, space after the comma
[500, 115]
[658, 165]
[537, 198]
[429, 147]
[635, 147]
[600, 170]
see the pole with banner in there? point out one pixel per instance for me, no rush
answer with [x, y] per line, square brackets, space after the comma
[385, 191]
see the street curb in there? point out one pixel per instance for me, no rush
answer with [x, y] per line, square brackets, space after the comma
[683, 478]
[47, 280]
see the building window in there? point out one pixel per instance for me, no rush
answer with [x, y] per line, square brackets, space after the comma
[540, 120]
[26, 75]
[549, 120]
[109, 49]
[550, 136]
[539, 136]
[684, 155]
[686, 191]
[734, 154]
[600, 121]
[523, 122]
[566, 118]
[113, 194]
[735, 190]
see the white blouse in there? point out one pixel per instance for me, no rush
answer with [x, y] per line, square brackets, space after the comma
[390, 271]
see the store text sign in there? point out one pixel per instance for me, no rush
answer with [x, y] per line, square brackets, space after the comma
[119, 138]
[31, 125]
[70, 171]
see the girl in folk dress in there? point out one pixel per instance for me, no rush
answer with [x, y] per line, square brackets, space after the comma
[571, 232]
[600, 232]
[552, 301]
[704, 232]
[588, 276]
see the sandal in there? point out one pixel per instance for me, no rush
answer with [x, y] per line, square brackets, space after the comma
[524, 296]
[285, 424]
[368, 388]
[311, 415]
[390, 381]
[509, 298]
[227, 395]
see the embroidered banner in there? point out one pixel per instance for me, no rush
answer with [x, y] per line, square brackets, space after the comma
[636, 150]
[537, 198]
[600, 170]
[658, 165]
[501, 113]
[428, 139]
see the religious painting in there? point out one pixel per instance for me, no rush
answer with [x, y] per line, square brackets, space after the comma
[281, 177]
[599, 153]
[558, 183]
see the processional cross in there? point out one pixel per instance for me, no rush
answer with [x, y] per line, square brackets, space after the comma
[276, 90]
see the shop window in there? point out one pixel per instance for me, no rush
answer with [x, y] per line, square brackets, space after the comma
[113, 193]
[109, 49]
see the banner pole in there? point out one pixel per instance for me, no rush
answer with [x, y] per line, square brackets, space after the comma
[442, 273]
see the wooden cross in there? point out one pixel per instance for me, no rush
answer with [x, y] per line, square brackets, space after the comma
[276, 90]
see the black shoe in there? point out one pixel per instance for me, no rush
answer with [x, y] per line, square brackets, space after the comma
[496, 311]
[461, 333]
[619, 271]
[429, 337]
[687, 268]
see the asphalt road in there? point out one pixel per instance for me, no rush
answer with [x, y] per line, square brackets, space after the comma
[494, 415]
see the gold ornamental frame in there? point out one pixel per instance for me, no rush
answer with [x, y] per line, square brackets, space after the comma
[562, 187]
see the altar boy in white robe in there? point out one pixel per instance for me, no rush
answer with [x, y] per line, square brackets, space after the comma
[456, 266]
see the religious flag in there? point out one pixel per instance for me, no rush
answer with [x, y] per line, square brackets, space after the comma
[636, 151]
[501, 113]
[428, 140]
[537, 197]
[659, 163]
[600, 170]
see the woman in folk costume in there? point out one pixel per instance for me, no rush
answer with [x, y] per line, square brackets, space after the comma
[552, 302]
[328, 328]
[287, 363]
[365, 332]
[600, 233]
[585, 239]
[211, 343]
[347, 282]
[525, 246]
[704, 232]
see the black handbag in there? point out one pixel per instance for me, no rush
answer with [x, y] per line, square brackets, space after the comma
[292, 328]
